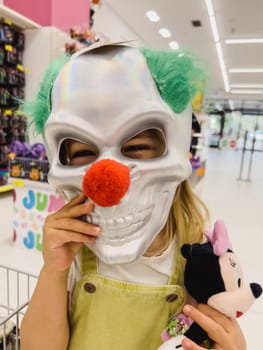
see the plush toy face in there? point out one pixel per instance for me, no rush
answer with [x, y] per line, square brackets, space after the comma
[213, 275]
[238, 295]
[105, 98]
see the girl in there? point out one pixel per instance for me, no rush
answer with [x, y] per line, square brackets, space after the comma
[112, 274]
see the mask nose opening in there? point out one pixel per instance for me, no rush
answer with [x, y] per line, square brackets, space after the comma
[106, 182]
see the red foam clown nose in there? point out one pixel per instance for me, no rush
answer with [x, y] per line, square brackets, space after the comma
[106, 182]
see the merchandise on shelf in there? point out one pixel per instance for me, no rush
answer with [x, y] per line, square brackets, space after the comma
[28, 162]
[12, 83]
[80, 38]
[195, 155]
[3, 177]
[35, 170]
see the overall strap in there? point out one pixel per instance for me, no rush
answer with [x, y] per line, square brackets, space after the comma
[89, 261]
[177, 275]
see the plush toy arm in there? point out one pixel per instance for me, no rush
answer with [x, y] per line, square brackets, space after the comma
[196, 334]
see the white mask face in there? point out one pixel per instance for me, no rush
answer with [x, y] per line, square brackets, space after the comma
[105, 98]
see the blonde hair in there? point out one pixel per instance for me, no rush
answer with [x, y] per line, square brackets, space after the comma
[187, 219]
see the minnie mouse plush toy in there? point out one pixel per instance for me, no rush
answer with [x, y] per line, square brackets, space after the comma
[213, 275]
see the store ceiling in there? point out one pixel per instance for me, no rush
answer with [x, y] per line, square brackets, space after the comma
[16, 18]
[235, 19]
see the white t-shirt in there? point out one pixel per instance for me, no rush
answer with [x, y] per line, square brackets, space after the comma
[155, 270]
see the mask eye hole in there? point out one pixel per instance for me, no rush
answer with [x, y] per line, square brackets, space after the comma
[73, 152]
[147, 144]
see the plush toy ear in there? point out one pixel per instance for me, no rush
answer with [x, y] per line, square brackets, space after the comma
[196, 250]
[219, 238]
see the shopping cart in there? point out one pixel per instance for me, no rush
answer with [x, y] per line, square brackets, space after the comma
[16, 288]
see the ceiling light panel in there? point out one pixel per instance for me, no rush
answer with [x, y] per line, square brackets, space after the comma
[246, 91]
[153, 16]
[165, 33]
[212, 19]
[222, 66]
[244, 41]
[210, 8]
[214, 28]
[245, 70]
[174, 45]
[247, 86]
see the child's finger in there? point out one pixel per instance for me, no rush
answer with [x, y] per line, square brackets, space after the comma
[214, 329]
[80, 198]
[63, 237]
[78, 210]
[224, 331]
[217, 316]
[74, 209]
[67, 223]
[79, 226]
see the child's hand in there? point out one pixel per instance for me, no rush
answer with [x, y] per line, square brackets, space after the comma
[225, 332]
[64, 233]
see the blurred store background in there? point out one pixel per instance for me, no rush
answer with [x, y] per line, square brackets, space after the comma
[227, 133]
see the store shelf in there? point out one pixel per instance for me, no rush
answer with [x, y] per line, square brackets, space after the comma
[6, 188]
[19, 20]
[17, 182]
[198, 174]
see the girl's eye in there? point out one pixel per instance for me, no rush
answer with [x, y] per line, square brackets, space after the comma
[77, 153]
[146, 145]
[83, 153]
[138, 151]
[82, 157]
[136, 148]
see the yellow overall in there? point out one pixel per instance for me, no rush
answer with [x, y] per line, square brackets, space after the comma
[114, 315]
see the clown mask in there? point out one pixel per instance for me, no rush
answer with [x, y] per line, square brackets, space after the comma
[106, 100]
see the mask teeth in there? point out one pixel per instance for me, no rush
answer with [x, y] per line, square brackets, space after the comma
[96, 220]
[127, 234]
[120, 224]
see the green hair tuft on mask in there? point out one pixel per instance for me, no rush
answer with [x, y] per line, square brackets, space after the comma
[40, 109]
[176, 74]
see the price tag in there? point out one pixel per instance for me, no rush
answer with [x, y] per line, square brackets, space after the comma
[20, 67]
[8, 21]
[8, 47]
[8, 112]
